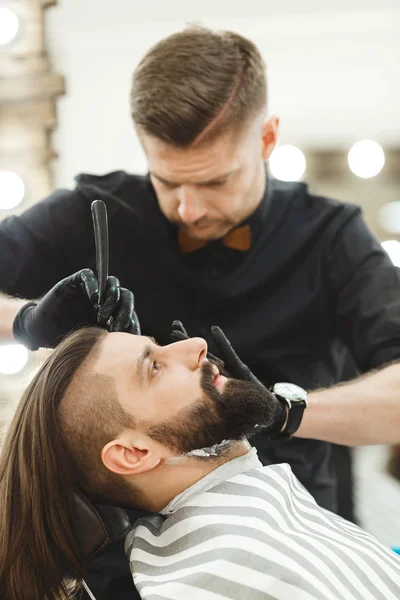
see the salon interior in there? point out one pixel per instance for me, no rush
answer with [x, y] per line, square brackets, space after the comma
[333, 80]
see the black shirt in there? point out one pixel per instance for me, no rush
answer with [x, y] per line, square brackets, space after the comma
[313, 301]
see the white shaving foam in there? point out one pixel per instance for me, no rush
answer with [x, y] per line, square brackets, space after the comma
[210, 451]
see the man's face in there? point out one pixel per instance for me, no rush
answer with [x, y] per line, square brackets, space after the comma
[209, 189]
[176, 396]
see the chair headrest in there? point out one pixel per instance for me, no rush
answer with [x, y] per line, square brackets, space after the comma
[95, 526]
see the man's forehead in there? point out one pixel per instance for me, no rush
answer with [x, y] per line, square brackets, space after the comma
[119, 349]
[210, 162]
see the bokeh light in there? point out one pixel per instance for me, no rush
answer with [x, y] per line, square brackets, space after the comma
[389, 216]
[12, 190]
[366, 158]
[392, 247]
[287, 163]
[9, 25]
[13, 358]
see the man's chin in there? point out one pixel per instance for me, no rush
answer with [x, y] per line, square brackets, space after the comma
[207, 233]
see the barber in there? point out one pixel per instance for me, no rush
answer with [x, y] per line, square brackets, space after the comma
[298, 283]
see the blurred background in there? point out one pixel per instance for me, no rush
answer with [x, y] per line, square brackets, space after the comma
[334, 80]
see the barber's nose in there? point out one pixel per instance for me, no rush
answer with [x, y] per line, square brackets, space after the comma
[190, 208]
[194, 352]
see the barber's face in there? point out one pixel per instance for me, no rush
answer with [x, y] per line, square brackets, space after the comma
[208, 190]
[176, 396]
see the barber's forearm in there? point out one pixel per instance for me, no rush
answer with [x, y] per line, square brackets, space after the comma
[8, 310]
[365, 411]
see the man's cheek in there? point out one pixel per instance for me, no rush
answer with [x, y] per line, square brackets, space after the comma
[181, 396]
[168, 205]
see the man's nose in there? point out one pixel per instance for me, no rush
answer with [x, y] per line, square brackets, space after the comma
[190, 208]
[192, 352]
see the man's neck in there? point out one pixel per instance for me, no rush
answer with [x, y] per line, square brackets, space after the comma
[176, 475]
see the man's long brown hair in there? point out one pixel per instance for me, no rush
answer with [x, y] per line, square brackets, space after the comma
[48, 449]
[195, 84]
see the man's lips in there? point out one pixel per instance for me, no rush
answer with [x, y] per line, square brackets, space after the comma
[219, 380]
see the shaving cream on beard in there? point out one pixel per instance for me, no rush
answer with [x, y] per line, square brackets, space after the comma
[214, 450]
[202, 453]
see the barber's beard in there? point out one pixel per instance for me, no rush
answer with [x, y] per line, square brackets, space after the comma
[241, 410]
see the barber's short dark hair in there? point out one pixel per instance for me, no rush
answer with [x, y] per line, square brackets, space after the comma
[195, 84]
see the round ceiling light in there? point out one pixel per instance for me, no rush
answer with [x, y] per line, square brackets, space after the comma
[287, 163]
[392, 247]
[12, 190]
[366, 158]
[9, 25]
[13, 358]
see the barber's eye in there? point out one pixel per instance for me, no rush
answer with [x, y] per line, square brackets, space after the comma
[154, 367]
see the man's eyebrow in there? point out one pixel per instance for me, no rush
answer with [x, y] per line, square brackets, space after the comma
[202, 183]
[147, 350]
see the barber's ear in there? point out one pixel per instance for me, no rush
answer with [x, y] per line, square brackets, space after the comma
[269, 136]
[124, 458]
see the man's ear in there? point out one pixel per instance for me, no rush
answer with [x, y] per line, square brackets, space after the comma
[269, 136]
[128, 458]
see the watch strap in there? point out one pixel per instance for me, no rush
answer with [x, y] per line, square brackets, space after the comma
[295, 412]
[295, 415]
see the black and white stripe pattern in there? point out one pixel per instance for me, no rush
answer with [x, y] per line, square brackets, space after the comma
[258, 535]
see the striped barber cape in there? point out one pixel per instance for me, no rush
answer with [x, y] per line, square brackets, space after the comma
[250, 532]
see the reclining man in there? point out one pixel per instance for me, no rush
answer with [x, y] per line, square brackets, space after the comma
[139, 425]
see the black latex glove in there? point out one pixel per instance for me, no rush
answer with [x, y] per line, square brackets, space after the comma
[73, 303]
[236, 369]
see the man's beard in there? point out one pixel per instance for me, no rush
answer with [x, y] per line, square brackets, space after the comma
[241, 410]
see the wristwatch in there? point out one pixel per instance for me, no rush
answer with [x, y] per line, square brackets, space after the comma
[294, 398]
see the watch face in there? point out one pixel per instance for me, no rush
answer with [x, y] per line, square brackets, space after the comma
[291, 391]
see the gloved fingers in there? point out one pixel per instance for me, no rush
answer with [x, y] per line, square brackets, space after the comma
[231, 360]
[234, 365]
[110, 300]
[124, 312]
[178, 332]
[90, 284]
[134, 325]
[178, 336]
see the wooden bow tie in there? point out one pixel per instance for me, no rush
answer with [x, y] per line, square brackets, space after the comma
[238, 239]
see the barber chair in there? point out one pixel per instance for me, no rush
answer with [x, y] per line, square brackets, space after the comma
[95, 527]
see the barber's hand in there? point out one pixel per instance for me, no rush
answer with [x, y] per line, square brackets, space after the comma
[236, 369]
[73, 303]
